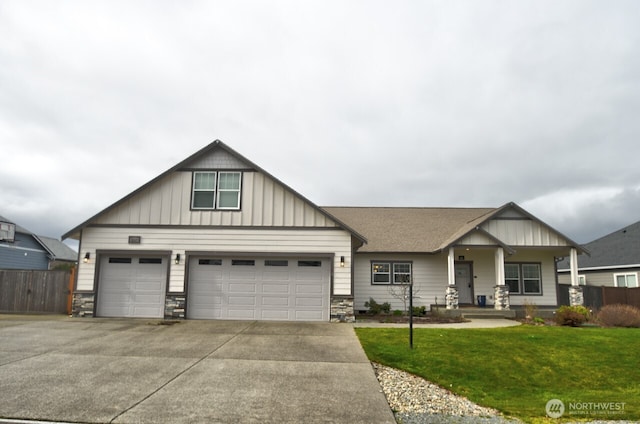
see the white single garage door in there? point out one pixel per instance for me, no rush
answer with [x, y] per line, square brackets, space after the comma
[284, 289]
[132, 286]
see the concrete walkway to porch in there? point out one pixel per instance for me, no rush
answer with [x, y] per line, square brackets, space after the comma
[476, 323]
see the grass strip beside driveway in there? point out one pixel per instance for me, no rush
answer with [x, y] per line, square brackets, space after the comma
[517, 370]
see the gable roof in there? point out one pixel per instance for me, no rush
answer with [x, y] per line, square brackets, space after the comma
[425, 230]
[194, 158]
[618, 249]
[406, 230]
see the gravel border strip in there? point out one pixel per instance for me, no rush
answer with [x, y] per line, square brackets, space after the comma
[415, 400]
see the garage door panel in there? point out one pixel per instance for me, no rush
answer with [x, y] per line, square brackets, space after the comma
[242, 300]
[269, 288]
[131, 286]
[207, 300]
[260, 288]
[144, 299]
[277, 315]
[275, 301]
[242, 288]
[115, 311]
[141, 311]
[241, 314]
[242, 275]
[302, 289]
[306, 276]
[309, 316]
[146, 286]
[206, 289]
[282, 275]
[308, 301]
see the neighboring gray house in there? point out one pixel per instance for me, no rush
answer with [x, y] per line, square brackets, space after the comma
[613, 260]
[218, 237]
[21, 249]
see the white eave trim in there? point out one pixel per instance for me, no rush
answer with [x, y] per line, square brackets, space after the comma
[603, 268]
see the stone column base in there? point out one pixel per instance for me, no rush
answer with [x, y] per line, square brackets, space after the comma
[342, 309]
[576, 297]
[451, 297]
[174, 306]
[501, 297]
[83, 305]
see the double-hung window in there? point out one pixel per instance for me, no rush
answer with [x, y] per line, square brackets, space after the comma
[216, 190]
[512, 277]
[523, 278]
[390, 272]
[626, 280]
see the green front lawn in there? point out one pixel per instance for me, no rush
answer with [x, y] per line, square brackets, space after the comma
[518, 369]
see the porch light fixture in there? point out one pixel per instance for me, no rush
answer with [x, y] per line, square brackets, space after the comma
[177, 261]
[87, 256]
[341, 261]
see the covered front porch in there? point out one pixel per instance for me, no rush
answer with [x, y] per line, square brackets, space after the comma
[495, 278]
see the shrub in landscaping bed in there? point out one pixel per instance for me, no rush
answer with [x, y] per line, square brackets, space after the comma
[419, 311]
[619, 316]
[376, 308]
[573, 316]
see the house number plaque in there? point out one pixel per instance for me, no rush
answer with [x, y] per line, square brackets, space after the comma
[135, 239]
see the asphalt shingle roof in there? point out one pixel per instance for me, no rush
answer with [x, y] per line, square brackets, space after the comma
[409, 230]
[622, 247]
[58, 249]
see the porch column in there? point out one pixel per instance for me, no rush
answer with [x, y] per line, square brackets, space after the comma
[501, 290]
[499, 257]
[576, 297]
[451, 295]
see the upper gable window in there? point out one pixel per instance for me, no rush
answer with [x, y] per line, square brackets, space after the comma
[216, 190]
[229, 190]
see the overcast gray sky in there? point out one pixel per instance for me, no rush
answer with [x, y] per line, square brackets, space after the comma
[366, 103]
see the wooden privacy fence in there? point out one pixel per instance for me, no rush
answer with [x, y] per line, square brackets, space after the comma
[596, 297]
[28, 291]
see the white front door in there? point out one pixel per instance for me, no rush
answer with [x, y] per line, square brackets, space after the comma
[464, 282]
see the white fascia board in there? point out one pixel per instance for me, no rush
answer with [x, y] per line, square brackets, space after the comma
[603, 268]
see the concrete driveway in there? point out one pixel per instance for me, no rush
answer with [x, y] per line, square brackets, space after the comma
[125, 371]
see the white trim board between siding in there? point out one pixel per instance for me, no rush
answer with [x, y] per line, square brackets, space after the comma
[337, 242]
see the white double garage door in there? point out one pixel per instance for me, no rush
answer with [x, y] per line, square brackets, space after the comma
[243, 288]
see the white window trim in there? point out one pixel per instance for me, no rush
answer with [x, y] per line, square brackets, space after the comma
[216, 191]
[388, 274]
[195, 190]
[519, 277]
[522, 279]
[220, 190]
[391, 273]
[625, 274]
